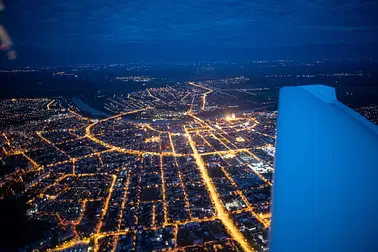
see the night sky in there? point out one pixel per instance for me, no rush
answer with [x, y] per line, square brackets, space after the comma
[94, 31]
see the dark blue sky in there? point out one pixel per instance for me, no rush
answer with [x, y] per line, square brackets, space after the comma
[86, 31]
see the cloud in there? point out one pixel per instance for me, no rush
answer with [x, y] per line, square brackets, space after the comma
[338, 28]
[231, 22]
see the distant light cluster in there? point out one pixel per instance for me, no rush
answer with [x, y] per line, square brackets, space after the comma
[135, 78]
